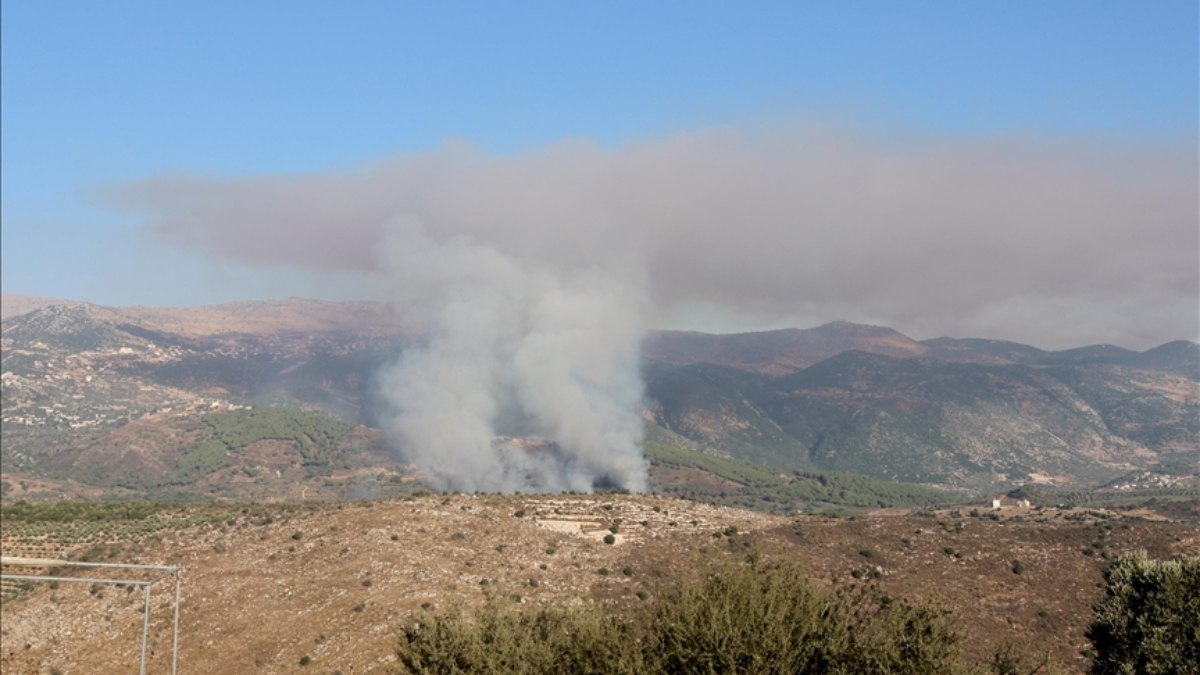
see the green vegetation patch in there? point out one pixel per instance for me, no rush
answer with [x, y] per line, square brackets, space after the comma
[731, 619]
[317, 434]
[318, 437]
[1046, 495]
[766, 488]
[61, 512]
[79, 522]
[198, 460]
[1149, 621]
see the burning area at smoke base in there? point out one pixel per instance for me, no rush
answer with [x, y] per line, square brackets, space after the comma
[516, 350]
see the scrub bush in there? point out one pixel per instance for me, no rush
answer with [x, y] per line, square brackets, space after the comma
[1149, 620]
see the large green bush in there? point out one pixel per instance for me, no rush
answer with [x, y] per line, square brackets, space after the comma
[1149, 621]
[502, 639]
[735, 619]
[750, 620]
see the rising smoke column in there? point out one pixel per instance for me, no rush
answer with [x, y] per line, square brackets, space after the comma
[515, 348]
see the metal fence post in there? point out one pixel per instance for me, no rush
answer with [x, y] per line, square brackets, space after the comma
[175, 633]
[145, 631]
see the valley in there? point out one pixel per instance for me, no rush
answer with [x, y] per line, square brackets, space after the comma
[125, 401]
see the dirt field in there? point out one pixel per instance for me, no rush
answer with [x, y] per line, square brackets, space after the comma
[330, 584]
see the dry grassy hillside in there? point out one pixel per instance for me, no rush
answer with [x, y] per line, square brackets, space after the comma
[266, 587]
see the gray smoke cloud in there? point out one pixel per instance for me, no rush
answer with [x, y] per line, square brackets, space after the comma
[515, 349]
[536, 273]
[1050, 242]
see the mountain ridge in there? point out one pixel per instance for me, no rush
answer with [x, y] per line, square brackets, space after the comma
[801, 347]
[972, 413]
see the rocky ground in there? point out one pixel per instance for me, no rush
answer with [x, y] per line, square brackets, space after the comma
[324, 588]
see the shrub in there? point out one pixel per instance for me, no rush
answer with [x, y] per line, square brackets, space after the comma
[734, 618]
[501, 639]
[1018, 567]
[610, 539]
[1149, 620]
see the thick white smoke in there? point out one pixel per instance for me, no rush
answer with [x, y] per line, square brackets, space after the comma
[516, 349]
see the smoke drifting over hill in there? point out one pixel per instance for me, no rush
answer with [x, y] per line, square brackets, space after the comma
[516, 350]
[535, 271]
[1050, 243]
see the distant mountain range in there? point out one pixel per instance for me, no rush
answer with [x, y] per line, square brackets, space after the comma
[780, 352]
[85, 387]
[963, 412]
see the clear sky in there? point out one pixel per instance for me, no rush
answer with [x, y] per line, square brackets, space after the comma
[101, 96]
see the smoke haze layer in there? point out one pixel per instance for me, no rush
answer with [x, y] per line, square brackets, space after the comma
[1049, 242]
[515, 349]
[534, 273]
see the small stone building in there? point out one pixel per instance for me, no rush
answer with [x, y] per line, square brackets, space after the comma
[1006, 502]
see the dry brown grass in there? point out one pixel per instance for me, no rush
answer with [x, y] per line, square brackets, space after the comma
[257, 600]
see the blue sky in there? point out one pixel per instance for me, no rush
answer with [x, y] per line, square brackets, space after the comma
[97, 95]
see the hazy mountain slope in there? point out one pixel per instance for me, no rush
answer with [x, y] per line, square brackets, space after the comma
[1181, 357]
[102, 382]
[1158, 410]
[293, 316]
[91, 396]
[713, 406]
[15, 305]
[978, 350]
[778, 351]
[921, 420]
[77, 327]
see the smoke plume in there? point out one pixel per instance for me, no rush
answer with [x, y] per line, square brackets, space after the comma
[534, 272]
[1049, 242]
[516, 350]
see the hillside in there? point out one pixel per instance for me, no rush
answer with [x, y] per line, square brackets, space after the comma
[928, 421]
[92, 393]
[776, 352]
[273, 317]
[15, 305]
[269, 588]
